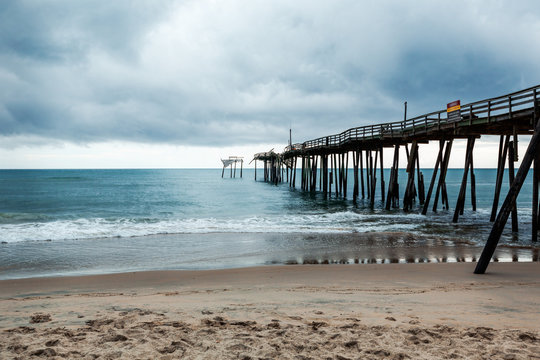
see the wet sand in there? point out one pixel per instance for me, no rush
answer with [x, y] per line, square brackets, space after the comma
[233, 250]
[394, 311]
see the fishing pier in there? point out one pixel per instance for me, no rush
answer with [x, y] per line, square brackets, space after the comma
[324, 161]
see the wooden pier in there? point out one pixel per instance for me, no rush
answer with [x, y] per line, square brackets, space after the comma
[324, 161]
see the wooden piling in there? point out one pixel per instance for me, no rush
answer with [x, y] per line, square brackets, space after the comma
[536, 170]
[346, 174]
[409, 190]
[460, 203]
[420, 179]
[373, 178]
[295, 171]
[503, 150]
[315, 165]
[441, 185]
[340, 173]
[382, 174]
[361, 166]
[331, 175]
[473, 185]
[433, 176]
[336, 184]
[320, 172]
[511, 158]
[355, 176]
[393, 186]
[368, 187]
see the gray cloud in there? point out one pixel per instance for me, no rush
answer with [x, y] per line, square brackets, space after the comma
[237, 72]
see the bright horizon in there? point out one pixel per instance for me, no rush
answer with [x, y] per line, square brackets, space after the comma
[152, 156]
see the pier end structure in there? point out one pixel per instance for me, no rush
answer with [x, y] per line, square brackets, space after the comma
[232, 162]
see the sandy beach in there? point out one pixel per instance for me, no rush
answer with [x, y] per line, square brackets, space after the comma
[394, 311]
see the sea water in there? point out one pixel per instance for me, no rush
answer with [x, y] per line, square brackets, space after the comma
[67, 222]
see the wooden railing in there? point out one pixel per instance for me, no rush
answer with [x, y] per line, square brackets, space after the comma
[487, 108]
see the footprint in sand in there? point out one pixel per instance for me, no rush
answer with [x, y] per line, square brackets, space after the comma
[40, 318]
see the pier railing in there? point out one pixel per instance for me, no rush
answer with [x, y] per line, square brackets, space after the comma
[487, 108]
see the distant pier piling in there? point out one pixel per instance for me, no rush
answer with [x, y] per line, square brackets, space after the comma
[232, 161]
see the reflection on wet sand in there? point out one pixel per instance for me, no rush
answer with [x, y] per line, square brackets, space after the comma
[394, 248]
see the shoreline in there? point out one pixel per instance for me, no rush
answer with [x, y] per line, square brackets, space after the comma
[238, 250]
[397, 310]
[190, 277]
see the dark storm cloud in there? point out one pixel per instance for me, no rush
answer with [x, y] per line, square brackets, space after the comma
[233, 72]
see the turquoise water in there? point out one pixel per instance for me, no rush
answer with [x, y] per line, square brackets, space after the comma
[62, 222]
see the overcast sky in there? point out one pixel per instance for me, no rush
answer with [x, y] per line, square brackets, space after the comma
[183, 83]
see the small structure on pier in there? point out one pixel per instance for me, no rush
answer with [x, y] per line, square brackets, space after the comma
[232, 161]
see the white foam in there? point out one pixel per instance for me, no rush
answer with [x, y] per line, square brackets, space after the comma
[338, 222]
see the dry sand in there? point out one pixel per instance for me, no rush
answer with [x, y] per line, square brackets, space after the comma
[394, 311]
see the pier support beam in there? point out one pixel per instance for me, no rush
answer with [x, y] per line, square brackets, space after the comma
[433, 176]
[410, 189]
[382, 174]
[368, 174]
[420, 180]
[345, 173]
[361, 166]
[295, 160]
[503, 150]
[314, 173]
[509, 203]
[373, 177]
[441, 185]
[392, 199]
[336, 183]
[355, 175]
[460, 203]
[536, 175]
[511, 159]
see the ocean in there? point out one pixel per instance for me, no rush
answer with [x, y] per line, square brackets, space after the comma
[73, 222]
